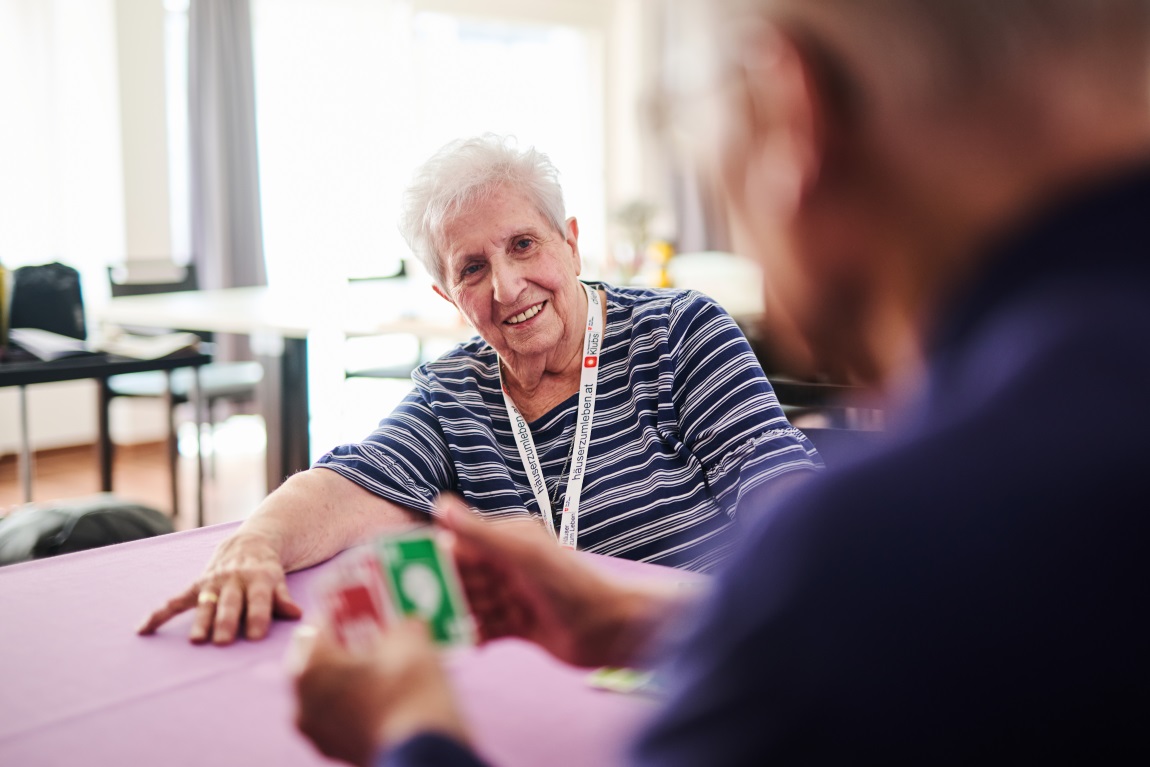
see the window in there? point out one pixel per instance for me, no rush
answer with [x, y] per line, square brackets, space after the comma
[61, 183]
[352, 95]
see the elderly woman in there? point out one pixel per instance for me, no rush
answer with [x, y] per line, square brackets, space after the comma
[630, 421]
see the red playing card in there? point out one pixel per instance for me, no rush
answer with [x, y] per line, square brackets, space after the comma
[352, 599]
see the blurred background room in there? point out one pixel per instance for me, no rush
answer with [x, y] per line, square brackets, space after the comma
[267, 143]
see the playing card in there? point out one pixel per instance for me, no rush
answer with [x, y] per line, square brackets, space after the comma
[624, 680]
[352, 599]
[422, 582]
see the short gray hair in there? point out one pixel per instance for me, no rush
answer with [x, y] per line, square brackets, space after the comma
[467, 171]
[969, 45]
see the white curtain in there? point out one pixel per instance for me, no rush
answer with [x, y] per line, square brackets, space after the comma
[354, 94]
[61, 177]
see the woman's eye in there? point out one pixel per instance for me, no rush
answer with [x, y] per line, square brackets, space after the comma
[471, 269]
[523, 243]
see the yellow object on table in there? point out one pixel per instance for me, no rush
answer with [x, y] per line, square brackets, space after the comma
[663, 251]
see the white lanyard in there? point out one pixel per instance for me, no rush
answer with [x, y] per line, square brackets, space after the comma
[588, 385]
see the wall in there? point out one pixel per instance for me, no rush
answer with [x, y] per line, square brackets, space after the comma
[143, 127]
[64, 414]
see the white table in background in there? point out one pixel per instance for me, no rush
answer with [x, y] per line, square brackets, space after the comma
[279, 322]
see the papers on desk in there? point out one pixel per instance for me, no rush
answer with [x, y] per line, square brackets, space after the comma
[47, 345]
[147, 347]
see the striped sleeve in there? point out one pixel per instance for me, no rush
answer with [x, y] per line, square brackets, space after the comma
[405, 460]
[728, 412]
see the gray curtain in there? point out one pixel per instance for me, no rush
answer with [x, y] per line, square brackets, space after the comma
[227, 234]
[227, 237]
[700, 220]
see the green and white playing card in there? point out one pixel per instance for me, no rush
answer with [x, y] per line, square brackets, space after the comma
[422, 582]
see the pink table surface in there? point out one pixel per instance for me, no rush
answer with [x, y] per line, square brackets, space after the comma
[77, 686]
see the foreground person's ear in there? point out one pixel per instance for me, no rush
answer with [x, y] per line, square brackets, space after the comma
[785, 124]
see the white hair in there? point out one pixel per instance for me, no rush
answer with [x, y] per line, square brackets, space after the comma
[944, 51]
[467, 171]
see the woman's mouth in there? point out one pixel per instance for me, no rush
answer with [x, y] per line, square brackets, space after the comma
[526, 314]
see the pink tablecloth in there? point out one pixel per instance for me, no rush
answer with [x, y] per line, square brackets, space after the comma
[78, 687]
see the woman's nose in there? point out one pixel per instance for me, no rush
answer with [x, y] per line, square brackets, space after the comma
[507, 281]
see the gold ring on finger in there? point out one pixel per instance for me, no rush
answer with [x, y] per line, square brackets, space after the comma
[208, 598]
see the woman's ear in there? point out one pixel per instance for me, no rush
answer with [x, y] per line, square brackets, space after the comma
[572, 237]
[443, 294]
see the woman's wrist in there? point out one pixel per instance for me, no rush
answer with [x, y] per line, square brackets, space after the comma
[422, 712]
[253, 536]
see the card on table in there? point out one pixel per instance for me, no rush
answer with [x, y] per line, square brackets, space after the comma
[624, 680]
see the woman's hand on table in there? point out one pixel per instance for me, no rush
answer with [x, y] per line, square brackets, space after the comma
[242, 587]
[519, 582]
[352, 704]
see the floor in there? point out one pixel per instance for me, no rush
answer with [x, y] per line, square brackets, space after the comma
[233, 484]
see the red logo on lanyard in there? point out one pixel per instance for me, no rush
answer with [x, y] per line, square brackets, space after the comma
[590, 362]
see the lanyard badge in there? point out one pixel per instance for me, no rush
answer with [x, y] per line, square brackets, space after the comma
[580, 449]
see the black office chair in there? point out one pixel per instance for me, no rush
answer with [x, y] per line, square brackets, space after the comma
[234, 382]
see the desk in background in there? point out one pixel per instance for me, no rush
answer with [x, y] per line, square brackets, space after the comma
[80, 688]
[280, 322]
[26, 371]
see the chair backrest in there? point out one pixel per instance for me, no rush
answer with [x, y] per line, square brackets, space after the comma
[48, 297]
[142, 278]
[146, 277]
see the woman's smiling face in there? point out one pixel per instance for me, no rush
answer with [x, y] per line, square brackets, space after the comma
[514, 277]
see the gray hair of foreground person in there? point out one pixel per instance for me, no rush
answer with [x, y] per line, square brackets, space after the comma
[464, 172]
[958, 47]
[937, 125]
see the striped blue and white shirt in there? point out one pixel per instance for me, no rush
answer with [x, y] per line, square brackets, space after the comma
[686, 425]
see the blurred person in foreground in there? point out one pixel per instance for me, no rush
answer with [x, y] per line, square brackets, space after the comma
[632, 421]
[955, 196]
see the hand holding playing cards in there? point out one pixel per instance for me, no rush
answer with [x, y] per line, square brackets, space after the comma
[350, 704]
[244, 581]
[519, 582]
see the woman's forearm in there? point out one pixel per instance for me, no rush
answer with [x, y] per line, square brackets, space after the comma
[318, 513]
